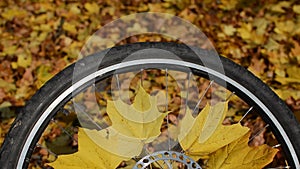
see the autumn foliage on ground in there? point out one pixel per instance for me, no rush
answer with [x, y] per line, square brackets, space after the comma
[40, 38]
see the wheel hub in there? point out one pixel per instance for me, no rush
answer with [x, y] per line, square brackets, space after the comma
[167, 157]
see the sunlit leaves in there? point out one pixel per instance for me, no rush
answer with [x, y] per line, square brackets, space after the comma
[238, 29]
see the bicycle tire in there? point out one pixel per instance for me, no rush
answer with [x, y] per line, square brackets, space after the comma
[19, 143]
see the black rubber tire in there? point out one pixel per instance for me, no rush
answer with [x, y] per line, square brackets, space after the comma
[34, 108]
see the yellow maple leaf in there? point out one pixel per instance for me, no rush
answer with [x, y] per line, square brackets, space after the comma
[296, 9]
[140, 120]
[132, 127]
[89, 154]
[245, 31]
[205, 134]
[92, 7]
[229, 30]
[239, 155]
[70, 27]
[9, 14]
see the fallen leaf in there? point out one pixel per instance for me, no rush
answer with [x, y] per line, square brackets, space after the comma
[286, 93]
[296, 9]
[89, 154]
[7, 86]
[261, 25]
[279, 6]
[228, 4]
[239, 155]
[9, 14]
[116, 143]
[293, 72]
[132, 127]
[287, 80]
[282, 27]
[205, 134]
[5, 104]
[74, 9]
[140, 120]
[245, 31]
[272, 45]
[229, 30]
[10, 50]
[91, 7]
[24, 60]
[43, 75]
[70, 27]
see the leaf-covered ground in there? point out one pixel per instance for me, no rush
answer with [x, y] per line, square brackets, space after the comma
[40, 38]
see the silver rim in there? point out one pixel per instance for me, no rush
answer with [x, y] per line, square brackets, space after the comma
[72, 88]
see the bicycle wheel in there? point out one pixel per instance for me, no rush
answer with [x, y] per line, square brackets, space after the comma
[78, 97]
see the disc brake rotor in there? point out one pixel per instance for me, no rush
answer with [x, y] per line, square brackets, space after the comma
[167, 157]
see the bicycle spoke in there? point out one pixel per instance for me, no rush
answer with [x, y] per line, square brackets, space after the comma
[231, 94]
[276, 146]
[261, 130]
[245, 114]
[148, 153]
[78, 107]
[281, 167]
[167, 107]
[64, 130]
[168, 164]
[49, 151]
[187, 92]
[201, 98]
